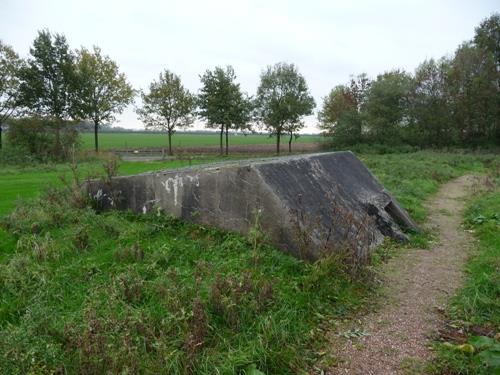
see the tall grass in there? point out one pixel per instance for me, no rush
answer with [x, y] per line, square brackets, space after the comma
[90, 293]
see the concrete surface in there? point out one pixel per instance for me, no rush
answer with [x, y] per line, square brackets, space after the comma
[308, 205]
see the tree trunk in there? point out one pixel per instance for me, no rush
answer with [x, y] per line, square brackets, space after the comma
[96, 137]
[221, 151]
[290, 143]
[0, 136]
[227, 141]
[278, 136]
[170, 142]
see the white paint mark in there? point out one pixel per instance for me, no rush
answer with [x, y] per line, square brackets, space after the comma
[195, 179]
[98, 194]
[176, 182]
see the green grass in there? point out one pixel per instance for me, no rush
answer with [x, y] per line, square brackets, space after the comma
[145, 140]
[26, 183]
[413, 177]
[476, 308]
[87, 292]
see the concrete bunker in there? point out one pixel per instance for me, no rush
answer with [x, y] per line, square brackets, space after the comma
[307, 204]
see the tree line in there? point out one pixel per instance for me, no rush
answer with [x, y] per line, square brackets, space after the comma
[44, 95]
[452, 101]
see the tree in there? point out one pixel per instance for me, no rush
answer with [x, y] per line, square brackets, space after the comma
[339, 117]
[222, 104]
[241, 113]
[430, 105]
[359, 88]
[100, 90]
[342, 113]
[292, 129]
[387, 106]
[47, 81]
[33, 138]
[282, 98]
[10, 64]
[474, 95]
[167, 105]
[487, 36]
[487, 39]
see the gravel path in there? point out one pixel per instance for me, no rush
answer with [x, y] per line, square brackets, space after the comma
[417, 283]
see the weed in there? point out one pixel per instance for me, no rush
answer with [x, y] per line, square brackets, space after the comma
[41, 248]
[197, 331]
[129, 254]
[110, 166]
[347, 237]
[256, 235]
[237, 300]
[81, 239]
[131, 287]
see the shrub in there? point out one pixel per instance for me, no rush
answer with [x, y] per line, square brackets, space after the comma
[37, 138]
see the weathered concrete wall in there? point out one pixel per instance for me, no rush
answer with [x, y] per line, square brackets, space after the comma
[308, 204]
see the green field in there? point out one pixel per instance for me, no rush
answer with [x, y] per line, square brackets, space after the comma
[143, 140]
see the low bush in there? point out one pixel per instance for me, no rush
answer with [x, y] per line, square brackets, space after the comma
[41, 139]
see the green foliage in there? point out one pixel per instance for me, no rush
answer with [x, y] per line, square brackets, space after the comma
[431, 123]
[449, 102]
[387, 106]
[341, 116]
[222, 104]
[34, 137]
[168, 105]
[480, 355]
[47, 79]
[10, 64]
[487, 36]
[48, 76]
[89, 292]
[476, 113]
[283, 99]
[100, 91]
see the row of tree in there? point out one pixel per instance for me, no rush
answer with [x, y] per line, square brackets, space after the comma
[56, 86]
[453, 101]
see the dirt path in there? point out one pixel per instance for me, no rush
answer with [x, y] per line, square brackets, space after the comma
[417, 284]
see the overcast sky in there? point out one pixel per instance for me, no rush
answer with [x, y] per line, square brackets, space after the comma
[328, 40]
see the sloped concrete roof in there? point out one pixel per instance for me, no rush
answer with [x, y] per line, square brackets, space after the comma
[308, 205]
